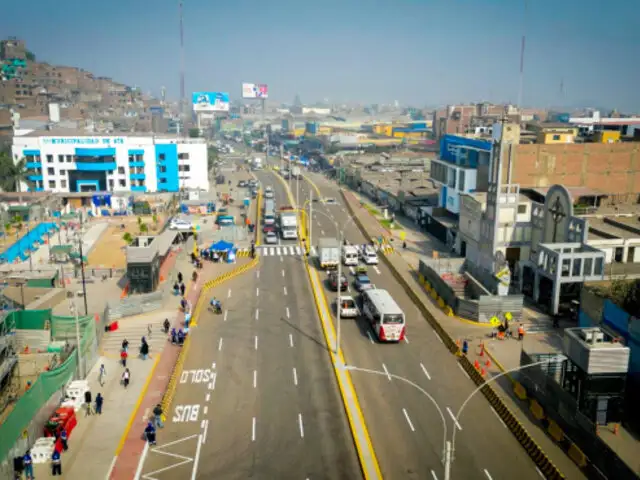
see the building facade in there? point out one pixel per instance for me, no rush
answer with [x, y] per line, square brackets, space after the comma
[75, 162]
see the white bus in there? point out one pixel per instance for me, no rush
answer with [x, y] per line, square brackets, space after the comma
[384, 314]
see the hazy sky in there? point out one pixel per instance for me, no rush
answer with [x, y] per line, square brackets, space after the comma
[414, 51]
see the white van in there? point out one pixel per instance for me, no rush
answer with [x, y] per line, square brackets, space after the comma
[349, 256]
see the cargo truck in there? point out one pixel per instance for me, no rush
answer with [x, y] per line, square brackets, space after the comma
[328, 252]
[288, 224]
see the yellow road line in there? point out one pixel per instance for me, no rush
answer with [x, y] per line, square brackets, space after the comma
[312, 183]
[132, 418]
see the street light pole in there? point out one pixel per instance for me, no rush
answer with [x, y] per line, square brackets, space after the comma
[310, 215]
[339, 285]
[74, 311]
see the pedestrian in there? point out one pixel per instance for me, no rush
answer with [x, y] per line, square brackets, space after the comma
[182, 289]
[56, 463]
[150, 433]
[27, 463]
[102, 375]
[465, 347]
[125, 345]
[144, 350]
[157, 416]
[176, 288]
[87, 402]
[179, 277]
[174, 336]
[64, 439]
[99, 402]
[126, 377]
[520, 332]
[123, 357]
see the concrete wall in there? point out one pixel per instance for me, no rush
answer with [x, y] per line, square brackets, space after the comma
[605, 167]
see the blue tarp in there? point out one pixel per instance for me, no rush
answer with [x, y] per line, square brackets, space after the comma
[221, 246]
[28, 243]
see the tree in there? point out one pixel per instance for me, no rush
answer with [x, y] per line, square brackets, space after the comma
[30, 56]
[144, 228]
[212, 157]
[12, 174]
[128, 238]
[194, 132]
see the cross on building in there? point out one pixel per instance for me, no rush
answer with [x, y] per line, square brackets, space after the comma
[557, 215]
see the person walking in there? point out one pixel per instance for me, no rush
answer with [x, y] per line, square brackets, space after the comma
[64, 439]
[144, 349]
[157, 416]
[99, 402]
[182, 289]
[102, 375]
[179, 277]
[87, 403]
[56, 463]
[150, 433]
[125, 345]
[126, 377]
[27, 463]
[465, 347]
[123, 357]
[520, 332]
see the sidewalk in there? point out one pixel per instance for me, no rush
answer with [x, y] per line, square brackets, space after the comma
[405, 261]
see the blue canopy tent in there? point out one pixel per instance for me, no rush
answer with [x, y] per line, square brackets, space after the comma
[221, 246]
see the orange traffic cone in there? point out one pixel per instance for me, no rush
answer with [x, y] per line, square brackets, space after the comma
[458, 343]
[487, 363]
[482, 349]
[476, 365]
[482, 372]
[616, 429]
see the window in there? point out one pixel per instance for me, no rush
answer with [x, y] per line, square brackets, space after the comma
[184, 168]
[49, 158]
[122, 183]
[63, 183]
[522, 209]
[162, 169]
[556, 137]
[51, 171]
[61, 158]
[69, 158]
[183, 156]
[63, 173]
[121, 170]
[111, 184]
[161, 156]
[131, 158]
[52, 184]
[461, 174]
[452, 177]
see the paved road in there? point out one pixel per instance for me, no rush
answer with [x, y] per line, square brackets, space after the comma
[406, 428]
[268, 402]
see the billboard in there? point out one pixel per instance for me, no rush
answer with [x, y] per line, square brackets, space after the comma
[210, 102]
[254, 90]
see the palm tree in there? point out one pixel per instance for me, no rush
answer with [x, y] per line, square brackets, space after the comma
[12, 175]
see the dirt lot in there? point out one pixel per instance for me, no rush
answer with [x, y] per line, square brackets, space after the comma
[110, 248]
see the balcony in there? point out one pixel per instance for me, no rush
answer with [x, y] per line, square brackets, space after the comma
[33, 165]
[137, 176]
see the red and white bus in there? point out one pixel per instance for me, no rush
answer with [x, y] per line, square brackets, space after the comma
[384, 314]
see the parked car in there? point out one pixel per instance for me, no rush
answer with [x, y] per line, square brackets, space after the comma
[180, 224]
[348, 307]
[333, 282]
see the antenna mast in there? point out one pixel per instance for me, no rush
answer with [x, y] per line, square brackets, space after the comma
[522, 45]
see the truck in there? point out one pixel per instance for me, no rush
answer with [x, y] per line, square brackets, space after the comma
[328, 252]
[296, 173]
[257, 163]
[288, 223]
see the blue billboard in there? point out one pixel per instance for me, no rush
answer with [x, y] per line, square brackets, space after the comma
[210, 102]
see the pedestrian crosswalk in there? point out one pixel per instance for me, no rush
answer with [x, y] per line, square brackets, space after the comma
[283, 251]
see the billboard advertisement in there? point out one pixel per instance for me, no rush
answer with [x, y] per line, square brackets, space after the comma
[254, 90]
[210, 102]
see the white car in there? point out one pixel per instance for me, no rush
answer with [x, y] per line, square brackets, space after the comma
[368, 256]
[330, 201]
[270, 238]
[348, 307]
[181, 225]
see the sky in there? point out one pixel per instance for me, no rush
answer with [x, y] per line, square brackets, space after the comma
[418, 52]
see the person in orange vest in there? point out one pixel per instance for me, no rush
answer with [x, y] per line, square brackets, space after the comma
[520, 332]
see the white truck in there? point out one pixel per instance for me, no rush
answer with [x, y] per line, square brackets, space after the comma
[257, 163]
[296, 173]
[328, 252]
[350, 256]
[289, 225]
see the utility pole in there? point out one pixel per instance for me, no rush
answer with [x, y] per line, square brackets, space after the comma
[182, 98]
[84, 283]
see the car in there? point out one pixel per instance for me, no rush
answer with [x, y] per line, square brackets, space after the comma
[269, 228]
[268, 194]
[333, 282]
[368, 256]
[330, 201]
[348, 307]
[242, 184]
[362, 283]
[270, 237]
[182, 224]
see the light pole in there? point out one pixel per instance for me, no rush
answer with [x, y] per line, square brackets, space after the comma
[74, 311]
[446, 445]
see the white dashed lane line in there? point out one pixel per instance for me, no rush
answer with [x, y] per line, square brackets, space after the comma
[291, 340]
[220, 345]
[425, 371]
[406, 415]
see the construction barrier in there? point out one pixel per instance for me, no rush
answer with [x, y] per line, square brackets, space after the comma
[548, 469]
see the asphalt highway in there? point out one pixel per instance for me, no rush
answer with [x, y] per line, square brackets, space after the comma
[406, 428]
[260, 379]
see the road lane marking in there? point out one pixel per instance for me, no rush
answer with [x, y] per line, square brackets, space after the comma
[498, 417]
[255, 343]
[255, 379]
[433, 474]
[205, 410]
[425, 371]
[271, 251]
[207, 397]
[213, 366]
[283, 272]
[257, 292]
[370, 337]
[257, 313]
[352, 270]
[229, 294]
[406, 339]
[285, 290]
[196, 459]
[540, 473]
[291, 340]
[301, 425]
[437, 336]
[220, 344]
[205, 430]
[213, 383]
[487, 474]
[406, 415]
[295, 377]
[463, 371]
[258, 274]
[253, 429]
[288, 316]
[384, 367]
[224, 319]
[281, 259]
[454, 419]
[278, 250]
[322, 232]
[375, 267]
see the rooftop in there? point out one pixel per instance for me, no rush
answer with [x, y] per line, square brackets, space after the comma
[68, 132]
